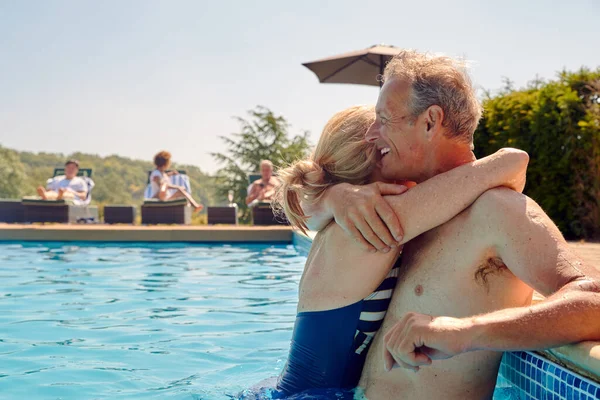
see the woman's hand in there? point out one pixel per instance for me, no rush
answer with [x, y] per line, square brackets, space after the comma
[363, 214]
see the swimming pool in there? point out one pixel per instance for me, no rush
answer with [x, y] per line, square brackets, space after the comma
[147, 321]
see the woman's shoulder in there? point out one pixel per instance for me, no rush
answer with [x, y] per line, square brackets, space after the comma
[337, 238]
[348, 250]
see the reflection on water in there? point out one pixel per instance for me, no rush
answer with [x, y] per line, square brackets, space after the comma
[143, 321]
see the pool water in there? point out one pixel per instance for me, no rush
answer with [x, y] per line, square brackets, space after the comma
[147, 321]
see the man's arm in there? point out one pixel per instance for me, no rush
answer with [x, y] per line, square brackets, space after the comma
[252, 194]
[78, 187]
[365, 215]
[533, 249]
[441, 198]
[82, 194]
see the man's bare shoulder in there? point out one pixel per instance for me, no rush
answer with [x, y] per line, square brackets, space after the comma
[501, 201]
[504, 210]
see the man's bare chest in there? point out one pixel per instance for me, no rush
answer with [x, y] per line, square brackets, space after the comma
[449, 271]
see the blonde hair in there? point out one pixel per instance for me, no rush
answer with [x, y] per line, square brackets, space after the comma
[342, 155]
[441, 81]
[266, 162]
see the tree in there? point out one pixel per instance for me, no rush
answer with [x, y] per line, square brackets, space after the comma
[558, 124]
[264, 136]
[12, 174]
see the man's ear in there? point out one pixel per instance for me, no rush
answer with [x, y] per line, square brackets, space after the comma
[434, 117]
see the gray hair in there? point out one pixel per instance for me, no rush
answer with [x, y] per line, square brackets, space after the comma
[441, 81]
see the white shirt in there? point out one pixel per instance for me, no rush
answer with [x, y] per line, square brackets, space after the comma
[77, 184]
[156, 186]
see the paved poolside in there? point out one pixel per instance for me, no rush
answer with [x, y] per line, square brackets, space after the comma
[589, 251]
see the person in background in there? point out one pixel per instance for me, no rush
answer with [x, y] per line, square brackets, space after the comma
[263, 189]
[68, 186]
[162, 189]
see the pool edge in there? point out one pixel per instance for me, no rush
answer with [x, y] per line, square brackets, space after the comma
[157, 233]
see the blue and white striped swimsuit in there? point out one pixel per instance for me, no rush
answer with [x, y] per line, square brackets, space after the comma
[329, 347]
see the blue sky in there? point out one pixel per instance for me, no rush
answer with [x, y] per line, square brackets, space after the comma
[134, 77]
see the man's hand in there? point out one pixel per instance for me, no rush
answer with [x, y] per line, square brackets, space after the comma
[269, 194]
[263, 194]
[418, 339]
[254, 193]
[363, 214]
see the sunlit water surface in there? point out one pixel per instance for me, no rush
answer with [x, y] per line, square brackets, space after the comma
[147, 321]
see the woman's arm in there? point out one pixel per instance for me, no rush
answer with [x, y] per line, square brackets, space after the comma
[442, 197]
[321, 213]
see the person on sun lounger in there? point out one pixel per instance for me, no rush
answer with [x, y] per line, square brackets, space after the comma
[263, 190]
[68, 186]
[161, 187]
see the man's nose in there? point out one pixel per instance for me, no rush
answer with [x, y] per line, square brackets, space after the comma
[372, 133]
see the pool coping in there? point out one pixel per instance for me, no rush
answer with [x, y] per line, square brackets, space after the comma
[582, 358]
[155, 233]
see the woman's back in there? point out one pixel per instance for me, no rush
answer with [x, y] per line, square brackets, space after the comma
[338, 272]
[341, 307]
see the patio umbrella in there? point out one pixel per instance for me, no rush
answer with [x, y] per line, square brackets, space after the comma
[359, 67]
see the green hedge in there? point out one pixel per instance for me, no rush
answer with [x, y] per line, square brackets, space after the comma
[558, 124]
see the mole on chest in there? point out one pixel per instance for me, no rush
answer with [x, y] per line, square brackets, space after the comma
[419, 290]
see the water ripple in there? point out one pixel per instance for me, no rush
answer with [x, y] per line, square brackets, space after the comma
[143, 320]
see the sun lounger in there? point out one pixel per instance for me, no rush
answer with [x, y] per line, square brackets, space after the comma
[176, 211]
[119, 214]
[222, 215]
[262, 214]
[62, 211]
[11, 211]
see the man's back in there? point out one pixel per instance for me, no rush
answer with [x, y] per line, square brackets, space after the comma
[452, 270]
